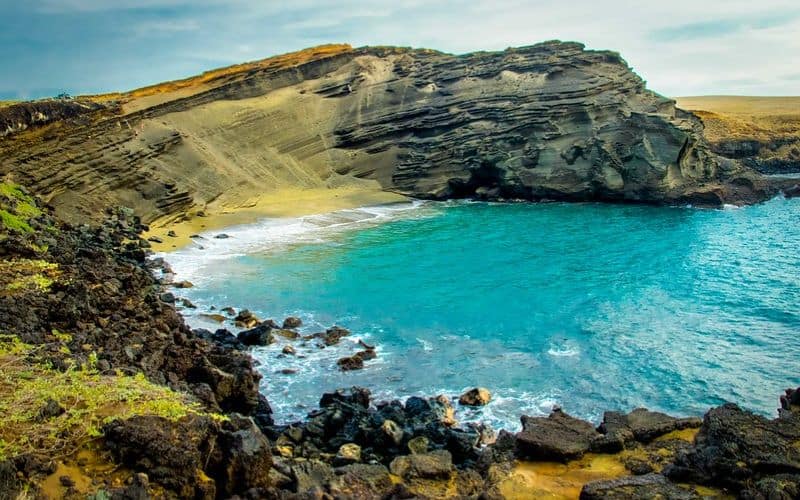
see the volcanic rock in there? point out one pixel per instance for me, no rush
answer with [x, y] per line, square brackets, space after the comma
[475, 397]
[558, 437]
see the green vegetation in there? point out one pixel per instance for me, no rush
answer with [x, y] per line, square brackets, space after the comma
[17, 208]
[55, 412]
[21, 275]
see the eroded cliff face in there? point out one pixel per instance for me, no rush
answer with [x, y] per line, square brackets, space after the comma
[550, 121]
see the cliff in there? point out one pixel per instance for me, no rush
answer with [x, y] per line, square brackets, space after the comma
[549, 121]
[761, 132]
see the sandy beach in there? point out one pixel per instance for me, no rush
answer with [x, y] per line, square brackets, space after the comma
[282, 203]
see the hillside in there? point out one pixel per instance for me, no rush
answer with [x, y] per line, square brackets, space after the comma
[764, 132]
[549, 121]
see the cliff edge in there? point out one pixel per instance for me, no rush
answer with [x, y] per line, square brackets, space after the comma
[548, 121]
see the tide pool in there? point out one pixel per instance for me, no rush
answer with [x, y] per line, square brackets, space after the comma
[589, 306]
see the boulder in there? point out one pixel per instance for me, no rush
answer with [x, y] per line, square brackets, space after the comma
[183, 284]
[349, 363]
[392, 432]
[735, 447]
[558, 437]
[287, 334]
[349, 453]
[646, 487]
[434, 465]
[309, 475]
[259, 336]
[361, 481]
[288, 350]
[245, 319]
[475, 397]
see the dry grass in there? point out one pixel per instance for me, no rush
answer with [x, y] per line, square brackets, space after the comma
[210, 77]
[54, 413]
[741, 117]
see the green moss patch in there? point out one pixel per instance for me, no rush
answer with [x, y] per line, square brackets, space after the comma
[17, 209]
[54, 413]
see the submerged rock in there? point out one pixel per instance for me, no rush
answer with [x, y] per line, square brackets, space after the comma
[350, 363]
[292, 322]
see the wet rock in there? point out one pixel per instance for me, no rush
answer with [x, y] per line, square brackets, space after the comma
[228, 310]
[183, 284]
[167, 297]
[349, 453]
[287, 334]
[647, 487]
[245, 319]
[218, 318]
[558, 437]
[434, 465]
[222, 236]
[292, 322]
[155, 239]
[790, 402]
[259, 336]
[366, 354]
[349, 363]
[288, 350]
[172, 234]
[331, 336]
[475, 397]
[188, 304]
[288, 371]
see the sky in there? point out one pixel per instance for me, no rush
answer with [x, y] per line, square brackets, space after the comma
[680, 47]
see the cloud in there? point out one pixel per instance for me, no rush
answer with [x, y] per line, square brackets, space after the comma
[680, 47]
[721, 27]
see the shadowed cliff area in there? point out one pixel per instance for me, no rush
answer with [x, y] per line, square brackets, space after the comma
[549, 121]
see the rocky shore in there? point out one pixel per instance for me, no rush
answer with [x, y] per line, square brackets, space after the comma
[83, 302]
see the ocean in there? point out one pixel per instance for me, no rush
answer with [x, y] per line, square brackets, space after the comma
[589, 306]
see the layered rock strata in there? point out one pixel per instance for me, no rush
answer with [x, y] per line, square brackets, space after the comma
[549, 121]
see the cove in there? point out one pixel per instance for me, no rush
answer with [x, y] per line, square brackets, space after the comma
[592, 307]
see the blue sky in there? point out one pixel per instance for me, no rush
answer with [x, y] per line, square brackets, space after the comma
[681, 47]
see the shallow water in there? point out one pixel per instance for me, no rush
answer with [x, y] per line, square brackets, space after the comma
[589, 306]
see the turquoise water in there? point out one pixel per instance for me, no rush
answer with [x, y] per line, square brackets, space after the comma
[593, 307]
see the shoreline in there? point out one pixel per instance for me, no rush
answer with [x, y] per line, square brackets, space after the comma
[277, 204]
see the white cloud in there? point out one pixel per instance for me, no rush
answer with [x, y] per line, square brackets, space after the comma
[680, 47]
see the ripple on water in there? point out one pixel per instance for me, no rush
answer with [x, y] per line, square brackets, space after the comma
[587, 306]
